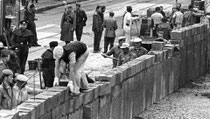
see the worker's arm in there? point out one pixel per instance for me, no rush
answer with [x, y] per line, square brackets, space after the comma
[72, 61]
[32, 91]
[56, 79]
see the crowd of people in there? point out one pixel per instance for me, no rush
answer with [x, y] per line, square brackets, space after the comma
[59, 62]
[163, 24]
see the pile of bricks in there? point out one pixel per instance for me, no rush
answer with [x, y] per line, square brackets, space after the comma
[126, 91]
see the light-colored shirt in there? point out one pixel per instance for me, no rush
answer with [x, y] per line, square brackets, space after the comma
[178, 16]
[157, 18]
[127, 19]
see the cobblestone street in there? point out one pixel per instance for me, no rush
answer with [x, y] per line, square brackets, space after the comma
[190, 102]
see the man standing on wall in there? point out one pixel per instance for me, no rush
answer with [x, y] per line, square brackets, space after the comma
[81, 19]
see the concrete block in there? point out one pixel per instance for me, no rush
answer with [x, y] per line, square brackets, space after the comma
[79, 100]
[158, 78]
[95, 109]
[8, 114]
[176, 34]
[187, 31]
[157, 46]
[190, 40]
[166, 74]
[105, 107]
[56, 113]
[170, 51]
[125, 106]
[178, 42]
[87, 112]
[66, 106]
[77, 114]
[149, 83]
[27, 109]
[116, 103]
[88, 96]
[183, 66]
[137, 93]
[103, 77]
[143, 61]
[176, 71]
[105, 89]
[24, 115]
[158, 55]
[190, 62]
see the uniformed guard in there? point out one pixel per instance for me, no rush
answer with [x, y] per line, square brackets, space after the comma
[81, 19]
[22, 40]
[137, 49]
[48, 64]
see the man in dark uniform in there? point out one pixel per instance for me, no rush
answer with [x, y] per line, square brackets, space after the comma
[30, 18]
[21, 39]
[75, 55]
[97, 28]
[48, 64]
[81, 19]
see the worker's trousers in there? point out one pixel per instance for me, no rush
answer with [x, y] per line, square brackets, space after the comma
[80, 79]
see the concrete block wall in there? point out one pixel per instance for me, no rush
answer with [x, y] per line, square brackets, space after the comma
[126, 91]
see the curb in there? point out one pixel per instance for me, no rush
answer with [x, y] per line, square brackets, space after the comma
[41, 9]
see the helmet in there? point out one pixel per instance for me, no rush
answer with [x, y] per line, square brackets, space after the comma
[58, 52]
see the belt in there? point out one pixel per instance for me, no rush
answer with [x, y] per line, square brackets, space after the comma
[22, 43]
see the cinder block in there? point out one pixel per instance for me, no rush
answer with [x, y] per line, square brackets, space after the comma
[105, 107]
[103, 77]
[78, 101]
[87, 112]
[158, 77]
[94, 108]
[77, 114]
[149, 83]
[125, 106]
[66, 106]
[157, 46]
[137, 93]
[88, 96]
[116, 103]
[176, 34]
[105, 89]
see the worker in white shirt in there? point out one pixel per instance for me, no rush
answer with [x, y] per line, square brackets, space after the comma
[156, 18]
[177, 18]
[127, 22]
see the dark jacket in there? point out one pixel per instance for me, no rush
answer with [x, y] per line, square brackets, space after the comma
[97, 23]
[81, 17]
[21, 36]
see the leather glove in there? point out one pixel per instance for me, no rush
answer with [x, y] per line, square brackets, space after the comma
[56, 81]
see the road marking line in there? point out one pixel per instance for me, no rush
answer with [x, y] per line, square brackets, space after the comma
[43, 35]
[45, 26]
